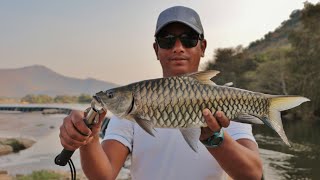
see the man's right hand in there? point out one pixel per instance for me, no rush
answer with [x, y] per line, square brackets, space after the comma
[74, 133]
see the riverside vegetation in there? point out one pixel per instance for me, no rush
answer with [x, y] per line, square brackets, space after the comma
[46, 99]
[285, 61]
[30, 98]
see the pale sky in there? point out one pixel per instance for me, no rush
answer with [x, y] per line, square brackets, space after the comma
[112, 40]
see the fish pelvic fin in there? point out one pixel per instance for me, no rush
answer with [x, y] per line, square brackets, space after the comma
[191, 135]
[278, 104]
[146, 125]
[247, 118]
[205, 77]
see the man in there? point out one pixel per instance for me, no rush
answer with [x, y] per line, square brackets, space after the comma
[228, 147]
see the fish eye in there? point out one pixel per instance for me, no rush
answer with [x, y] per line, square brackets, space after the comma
[110, 94]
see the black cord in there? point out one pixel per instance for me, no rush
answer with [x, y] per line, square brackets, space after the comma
[72, 170]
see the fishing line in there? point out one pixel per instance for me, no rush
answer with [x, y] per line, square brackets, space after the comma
[72, 170]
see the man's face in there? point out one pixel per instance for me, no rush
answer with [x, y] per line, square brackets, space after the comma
[179, 59]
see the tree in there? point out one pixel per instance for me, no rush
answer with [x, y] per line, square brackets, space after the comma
[84, 98]
[232, 63]
[65, 99]
[305, 64]
[30, 98]
[271, 75]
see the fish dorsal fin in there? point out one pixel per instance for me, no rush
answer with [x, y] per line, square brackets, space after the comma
[145, 125]
[204, 77]
[191, 135]
[247, 118]
[228, 84]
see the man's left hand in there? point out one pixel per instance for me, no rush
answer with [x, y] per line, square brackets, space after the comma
[215, 123]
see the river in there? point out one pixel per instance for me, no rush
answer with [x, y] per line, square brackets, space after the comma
[44, 129]
[302, 159]
[280, 161]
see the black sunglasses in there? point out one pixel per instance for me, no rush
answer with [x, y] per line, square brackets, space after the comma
[188, 40]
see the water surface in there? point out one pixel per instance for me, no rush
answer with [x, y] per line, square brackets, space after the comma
[302, 159]
[280, 162]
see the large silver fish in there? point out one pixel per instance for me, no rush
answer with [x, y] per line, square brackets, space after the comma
[178, 101]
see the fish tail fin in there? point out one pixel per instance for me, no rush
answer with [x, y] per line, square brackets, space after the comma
[278, 104]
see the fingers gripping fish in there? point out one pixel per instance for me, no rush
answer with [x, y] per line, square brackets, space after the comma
[178, 101]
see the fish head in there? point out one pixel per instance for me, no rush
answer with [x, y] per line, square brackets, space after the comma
[119, 101]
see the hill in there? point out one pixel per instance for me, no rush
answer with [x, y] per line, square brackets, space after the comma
[39, 79]
[277, 38]
[285, 61]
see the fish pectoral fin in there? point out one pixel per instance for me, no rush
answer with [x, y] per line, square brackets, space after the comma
[146, 125]
[205, 77]
[247, 118]
[191, 135]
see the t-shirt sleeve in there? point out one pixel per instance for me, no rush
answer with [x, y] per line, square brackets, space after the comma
[120, 130]
[240, 131]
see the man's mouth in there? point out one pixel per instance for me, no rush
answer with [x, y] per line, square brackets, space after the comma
[178, 58]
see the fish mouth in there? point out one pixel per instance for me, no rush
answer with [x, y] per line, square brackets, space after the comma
[97, 100]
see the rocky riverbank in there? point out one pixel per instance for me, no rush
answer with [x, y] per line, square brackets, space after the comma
[38, 134]
[11, 145]
[29, 142]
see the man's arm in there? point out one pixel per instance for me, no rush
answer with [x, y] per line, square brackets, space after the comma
[240, 159]
[98, 161]
[103, 161]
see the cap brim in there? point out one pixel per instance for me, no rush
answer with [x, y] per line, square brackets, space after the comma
[178, 21]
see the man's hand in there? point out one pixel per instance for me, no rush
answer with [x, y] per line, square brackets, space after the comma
[74, 133]
[215, 123]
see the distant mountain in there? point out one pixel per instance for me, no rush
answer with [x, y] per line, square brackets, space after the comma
[39, 79]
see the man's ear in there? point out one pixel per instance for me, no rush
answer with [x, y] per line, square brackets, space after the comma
[203, 47]
[156, 48]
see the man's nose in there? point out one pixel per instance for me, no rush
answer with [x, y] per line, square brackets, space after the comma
[178, 47]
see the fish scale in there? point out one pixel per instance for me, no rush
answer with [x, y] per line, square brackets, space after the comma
[178, 102]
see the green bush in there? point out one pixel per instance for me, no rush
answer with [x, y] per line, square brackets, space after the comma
[84, 98]
[40, 175]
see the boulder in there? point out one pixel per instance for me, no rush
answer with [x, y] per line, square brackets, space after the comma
[5, 149]
[26, 142]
